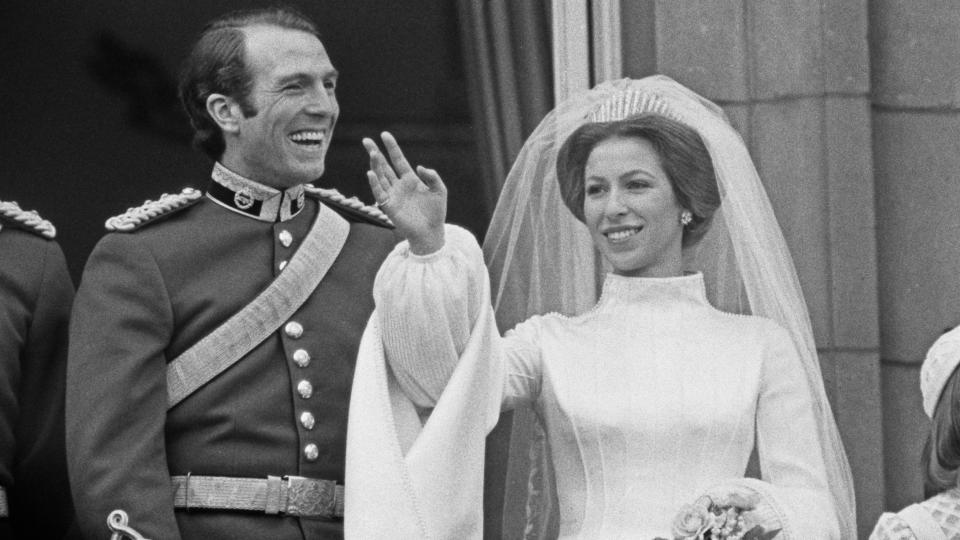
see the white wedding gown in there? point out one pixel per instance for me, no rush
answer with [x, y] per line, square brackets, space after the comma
[648, 400]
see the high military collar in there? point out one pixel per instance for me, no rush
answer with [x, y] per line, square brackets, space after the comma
[253, 199]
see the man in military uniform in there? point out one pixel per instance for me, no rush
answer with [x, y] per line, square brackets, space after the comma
[35, 297]
[214, 334]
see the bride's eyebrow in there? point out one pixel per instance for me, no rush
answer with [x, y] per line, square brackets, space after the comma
[637, 172]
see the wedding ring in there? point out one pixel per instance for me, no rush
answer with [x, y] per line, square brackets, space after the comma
[381, 204]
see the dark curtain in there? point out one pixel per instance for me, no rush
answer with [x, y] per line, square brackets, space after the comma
[508, 60]
[507, 55]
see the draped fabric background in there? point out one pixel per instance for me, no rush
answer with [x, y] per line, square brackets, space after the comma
[507, 56]
[508, 63]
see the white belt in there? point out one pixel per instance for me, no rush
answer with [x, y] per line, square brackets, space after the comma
[291, 495]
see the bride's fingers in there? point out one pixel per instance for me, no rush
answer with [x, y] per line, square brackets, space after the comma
[430, 178]
[369, 145]
[378, 162]
[378, 186]
[371, 148]
[385, 184]
[374, 182]
[400, 162]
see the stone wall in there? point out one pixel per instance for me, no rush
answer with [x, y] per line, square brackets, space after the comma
[915, 82]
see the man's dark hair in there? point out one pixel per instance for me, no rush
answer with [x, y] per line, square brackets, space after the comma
[217, 65]
[682, 153]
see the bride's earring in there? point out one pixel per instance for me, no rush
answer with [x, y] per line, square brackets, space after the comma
[686, 217]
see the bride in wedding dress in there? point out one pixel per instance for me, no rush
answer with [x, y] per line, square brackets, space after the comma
[697, 351]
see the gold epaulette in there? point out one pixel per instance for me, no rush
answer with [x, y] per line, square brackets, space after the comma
[351, 205]
[28, 220]
[168, 203]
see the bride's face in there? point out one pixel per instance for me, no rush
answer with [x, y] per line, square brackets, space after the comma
[631, 209]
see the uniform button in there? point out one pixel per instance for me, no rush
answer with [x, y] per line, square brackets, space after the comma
[283, 264]
[307, 420]
[305, 389]
[286, 238]
[301, 357]
[293, 329]
[311, 452]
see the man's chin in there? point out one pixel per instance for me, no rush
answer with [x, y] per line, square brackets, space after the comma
[310, 173]
[315, 175]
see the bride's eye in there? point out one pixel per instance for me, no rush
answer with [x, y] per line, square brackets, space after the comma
[594, 189]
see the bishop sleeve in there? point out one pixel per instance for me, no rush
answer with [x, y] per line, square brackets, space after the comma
[427, 305]
[795, 480]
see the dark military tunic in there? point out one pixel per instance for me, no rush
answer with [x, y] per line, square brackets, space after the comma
[35, 296]
[146, 297]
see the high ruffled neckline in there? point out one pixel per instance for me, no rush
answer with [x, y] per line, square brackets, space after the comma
[685, 288]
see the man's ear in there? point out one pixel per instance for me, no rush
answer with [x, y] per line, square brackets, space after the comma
[225, 111]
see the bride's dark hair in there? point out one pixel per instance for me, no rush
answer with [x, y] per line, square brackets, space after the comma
[682, 153]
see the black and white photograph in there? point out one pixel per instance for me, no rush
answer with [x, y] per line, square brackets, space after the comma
[480, 269]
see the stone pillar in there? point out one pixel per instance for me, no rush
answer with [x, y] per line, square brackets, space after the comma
[794, 79]
[916, 144]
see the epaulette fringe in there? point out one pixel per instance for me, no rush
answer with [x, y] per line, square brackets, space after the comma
[354, 203]
[28, 220]
[168, 203]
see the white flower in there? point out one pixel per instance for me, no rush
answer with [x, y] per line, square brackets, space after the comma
[692, 521]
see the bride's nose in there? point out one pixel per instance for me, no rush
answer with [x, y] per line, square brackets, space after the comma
[616, 204]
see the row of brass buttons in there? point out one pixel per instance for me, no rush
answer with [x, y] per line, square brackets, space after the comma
[286, 239]
[301, 358]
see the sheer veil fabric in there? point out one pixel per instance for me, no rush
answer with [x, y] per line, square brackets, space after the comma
[541, 259]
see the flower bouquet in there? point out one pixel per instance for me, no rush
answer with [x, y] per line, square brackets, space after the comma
[708, 520]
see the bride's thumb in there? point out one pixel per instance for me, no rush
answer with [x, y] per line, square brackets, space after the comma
[430, 178]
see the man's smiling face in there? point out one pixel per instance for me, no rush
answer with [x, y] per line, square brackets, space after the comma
[285, 141]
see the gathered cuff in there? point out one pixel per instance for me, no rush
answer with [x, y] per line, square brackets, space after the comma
[427, 305]
[426, 258]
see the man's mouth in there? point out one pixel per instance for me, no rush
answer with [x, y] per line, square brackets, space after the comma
[307, 138]
[621, 235]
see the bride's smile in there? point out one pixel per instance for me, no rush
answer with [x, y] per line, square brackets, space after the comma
[631, 209]
[618, 235]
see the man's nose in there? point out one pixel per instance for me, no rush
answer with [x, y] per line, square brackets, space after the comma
[322, 103]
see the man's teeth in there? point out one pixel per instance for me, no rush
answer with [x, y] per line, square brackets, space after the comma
[307, 137]
[616, 236]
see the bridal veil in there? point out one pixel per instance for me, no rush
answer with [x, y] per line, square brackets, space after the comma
[541, 259]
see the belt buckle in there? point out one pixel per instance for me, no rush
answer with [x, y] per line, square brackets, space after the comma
[307, 497]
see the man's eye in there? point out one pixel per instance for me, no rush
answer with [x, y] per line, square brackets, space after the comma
[293, 87]
[330, 85]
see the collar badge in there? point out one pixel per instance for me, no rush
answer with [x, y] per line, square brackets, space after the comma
[243, 199]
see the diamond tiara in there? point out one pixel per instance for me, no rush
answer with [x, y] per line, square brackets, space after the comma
[624, 104]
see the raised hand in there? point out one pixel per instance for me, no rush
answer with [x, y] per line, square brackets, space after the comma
[416, 201]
